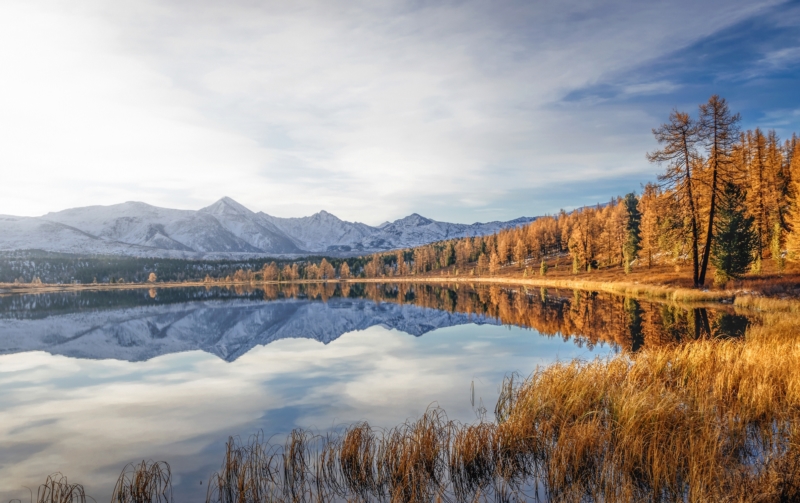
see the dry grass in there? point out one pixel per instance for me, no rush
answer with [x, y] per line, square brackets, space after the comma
[768, 304]
[147, 482]
[710, 420]
[707, 421]
[57, 489]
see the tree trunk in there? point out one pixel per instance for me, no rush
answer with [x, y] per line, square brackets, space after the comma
[710, 232]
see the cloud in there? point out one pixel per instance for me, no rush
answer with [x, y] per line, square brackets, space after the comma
[88, 418]
[369, 110]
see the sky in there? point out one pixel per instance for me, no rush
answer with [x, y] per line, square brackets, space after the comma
[461, 111]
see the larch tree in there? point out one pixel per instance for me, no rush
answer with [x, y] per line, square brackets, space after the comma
[494, 263]
[679, 138]
[793, 218]
[502, 248]
[650, 222]
[344, 271]
[520, 253]
[269, 272]
[401, 263]
[483, 264]
[718, 129]
[754, 148]
[326, 270]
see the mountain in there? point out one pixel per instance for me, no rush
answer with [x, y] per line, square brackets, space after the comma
[227, 329]
[226, 229]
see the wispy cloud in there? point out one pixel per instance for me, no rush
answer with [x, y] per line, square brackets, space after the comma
[369, 110]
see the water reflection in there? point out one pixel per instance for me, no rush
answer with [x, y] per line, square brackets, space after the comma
[170, 373]
[137, 325]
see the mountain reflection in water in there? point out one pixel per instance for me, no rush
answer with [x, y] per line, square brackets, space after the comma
[137, 324]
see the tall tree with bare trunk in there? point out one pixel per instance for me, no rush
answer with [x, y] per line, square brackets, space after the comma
[679, 137]
[719, 130]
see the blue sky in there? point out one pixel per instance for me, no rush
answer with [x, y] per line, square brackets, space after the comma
[462, 111]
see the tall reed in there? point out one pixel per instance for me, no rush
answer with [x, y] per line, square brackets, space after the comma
[146, 482]
[57, 489]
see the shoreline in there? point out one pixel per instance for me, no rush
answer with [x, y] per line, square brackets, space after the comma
[632, 289]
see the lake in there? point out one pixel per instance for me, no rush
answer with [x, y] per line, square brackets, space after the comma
[93, 380]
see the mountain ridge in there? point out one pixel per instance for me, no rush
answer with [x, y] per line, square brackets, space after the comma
[224, 229]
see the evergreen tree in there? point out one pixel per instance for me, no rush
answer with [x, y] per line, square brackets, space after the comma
[633, 239]
[735, 240]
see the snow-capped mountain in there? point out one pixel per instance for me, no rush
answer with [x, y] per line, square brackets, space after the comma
[227, 329]
[224, 229]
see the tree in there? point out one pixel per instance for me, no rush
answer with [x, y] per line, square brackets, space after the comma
[520, 253]
[632, 245]
[374, 267]
[290, 272]
[736, 241]
[679, 137]
[650, 221]
[502, 249]
[152, 278]
[793, 218]
[483, 264]
[718, 129]
[344, 271]
[543, 268]
[326, 270]
[494, 263]
[401, 263]
[269, 272]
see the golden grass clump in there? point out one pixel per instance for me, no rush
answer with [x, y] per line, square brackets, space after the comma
[147, 482]
[57, 489]
[702, 421]
[414, 458]
[358, 454]
[250, 473]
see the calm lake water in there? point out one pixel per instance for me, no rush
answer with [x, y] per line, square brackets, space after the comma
[93, 380]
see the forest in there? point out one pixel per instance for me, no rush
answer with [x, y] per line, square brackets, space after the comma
[724, 198]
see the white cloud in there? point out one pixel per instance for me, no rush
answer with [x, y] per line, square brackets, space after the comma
[369, 110]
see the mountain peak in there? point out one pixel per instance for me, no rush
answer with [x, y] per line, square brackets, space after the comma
[226, 205]
[414, 219]
[324, 215]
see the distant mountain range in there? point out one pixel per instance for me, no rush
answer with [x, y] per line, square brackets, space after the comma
[226, 229]
[227, 329]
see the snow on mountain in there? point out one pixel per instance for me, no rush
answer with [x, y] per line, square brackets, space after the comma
[250, 227]
[224, 229]
[323, 232]
[227, 329]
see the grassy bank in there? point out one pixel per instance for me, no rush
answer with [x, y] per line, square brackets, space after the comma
[624, 288]
[630, 289]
